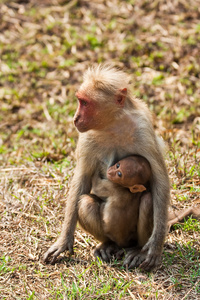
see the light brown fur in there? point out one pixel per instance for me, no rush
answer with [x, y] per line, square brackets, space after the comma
[129, 219]
[118, 223]
[121, 126]
[118, 219]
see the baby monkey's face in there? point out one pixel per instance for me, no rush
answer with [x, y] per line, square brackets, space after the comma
[123, 173]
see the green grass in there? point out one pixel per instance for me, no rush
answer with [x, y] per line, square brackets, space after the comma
[45, 48]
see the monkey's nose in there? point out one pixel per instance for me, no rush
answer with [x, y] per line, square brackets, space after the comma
[110, 173]
[76, 120]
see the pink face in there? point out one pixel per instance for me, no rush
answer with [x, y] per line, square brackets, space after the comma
[120, 174]
[124, 172]
[85, 116]
[91, 115]
[115, 174]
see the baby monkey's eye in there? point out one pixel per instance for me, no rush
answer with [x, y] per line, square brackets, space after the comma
[117, 165]
[119, 174]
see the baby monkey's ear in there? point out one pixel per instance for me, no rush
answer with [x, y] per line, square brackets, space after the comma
[137, 188]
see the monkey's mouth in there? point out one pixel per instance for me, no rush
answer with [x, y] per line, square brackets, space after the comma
[81, 127]
[109, 177]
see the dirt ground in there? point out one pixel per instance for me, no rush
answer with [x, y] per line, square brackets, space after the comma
[45, 46]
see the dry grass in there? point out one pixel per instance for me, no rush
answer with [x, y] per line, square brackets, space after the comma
[44, 49]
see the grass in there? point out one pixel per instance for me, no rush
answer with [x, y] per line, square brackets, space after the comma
[45, 46]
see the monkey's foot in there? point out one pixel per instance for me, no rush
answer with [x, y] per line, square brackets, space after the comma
[58, 247]
[106, 251]
[136, 258]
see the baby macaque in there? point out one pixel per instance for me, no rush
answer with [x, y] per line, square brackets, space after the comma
[132, 172]
[116, 212]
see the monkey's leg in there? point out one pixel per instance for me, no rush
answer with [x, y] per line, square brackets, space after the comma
[175, 217]
[134, 257]
[89, 215]
[90, 209]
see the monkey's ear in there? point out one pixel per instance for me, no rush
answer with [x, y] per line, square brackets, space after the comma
[137, 188]
[121, 97]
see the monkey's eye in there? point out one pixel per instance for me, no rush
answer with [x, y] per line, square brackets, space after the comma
[119, 174]
[117, 165]
[83, 102]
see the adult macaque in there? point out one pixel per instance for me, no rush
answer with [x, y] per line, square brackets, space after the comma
[113, 125]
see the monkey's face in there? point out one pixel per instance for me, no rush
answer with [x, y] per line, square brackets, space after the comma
[86, 114]
[122, 173]
[116, 174]
[90, 114]
[96, 110]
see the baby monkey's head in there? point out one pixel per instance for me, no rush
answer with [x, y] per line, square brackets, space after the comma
[132, 172]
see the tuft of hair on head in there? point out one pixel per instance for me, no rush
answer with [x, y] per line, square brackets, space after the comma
[107, 78]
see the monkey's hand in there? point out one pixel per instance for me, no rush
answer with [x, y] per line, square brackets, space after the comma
[153, 252]
[146, 258]
[62, 244]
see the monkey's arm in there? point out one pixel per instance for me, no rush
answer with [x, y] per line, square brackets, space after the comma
[101, 187]
[160, 189]
[81, 184]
